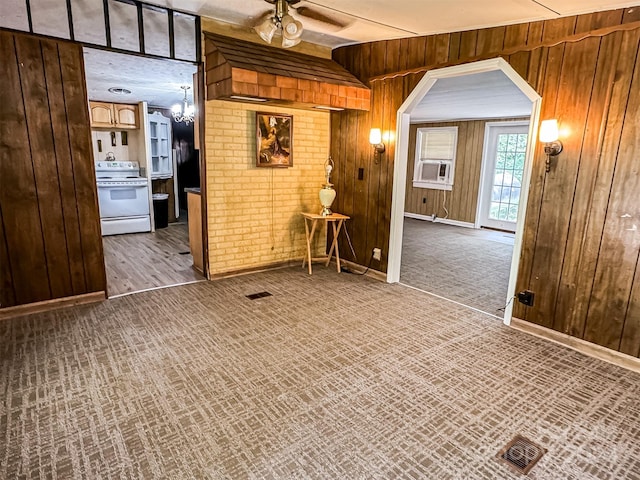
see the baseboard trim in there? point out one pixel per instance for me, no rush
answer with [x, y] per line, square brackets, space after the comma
[297, 262]
[54, 304]
[256, 269]
[359, 269]
[446, 221]
[590, 349]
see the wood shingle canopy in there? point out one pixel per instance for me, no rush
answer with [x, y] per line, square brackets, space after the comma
[239, 68]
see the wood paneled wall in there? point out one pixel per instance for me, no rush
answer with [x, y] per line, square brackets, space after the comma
[462, 199]
[581, 243]
[50, 241]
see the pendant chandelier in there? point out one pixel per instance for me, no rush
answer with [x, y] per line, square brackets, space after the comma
[183, 113]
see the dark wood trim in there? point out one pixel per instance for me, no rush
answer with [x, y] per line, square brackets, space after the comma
[48, 305]
[131, 52]
[172, 41]
[70, 20]
[198, 39]
[107, 24]
[140, 27]
[29, 17]
[203, 169]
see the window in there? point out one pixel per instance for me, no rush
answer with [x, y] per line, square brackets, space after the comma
[435, 157]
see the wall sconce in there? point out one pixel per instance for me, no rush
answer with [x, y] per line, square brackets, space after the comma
[375, 139]
[549, 135]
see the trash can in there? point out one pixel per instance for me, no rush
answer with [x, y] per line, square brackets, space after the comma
[161, 210]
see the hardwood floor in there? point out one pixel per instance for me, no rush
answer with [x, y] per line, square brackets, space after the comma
[140, 261]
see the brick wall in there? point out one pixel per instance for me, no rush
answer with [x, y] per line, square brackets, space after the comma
[254, 213]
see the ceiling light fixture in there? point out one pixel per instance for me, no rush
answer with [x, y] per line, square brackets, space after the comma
[120, 91]
[183, 113]
[333, 109]
[280, 19]
[248, 99]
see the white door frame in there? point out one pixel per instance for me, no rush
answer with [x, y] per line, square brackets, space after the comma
[486, 161]
[402, 154]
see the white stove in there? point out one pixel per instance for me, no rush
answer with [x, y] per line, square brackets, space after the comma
[123, 197]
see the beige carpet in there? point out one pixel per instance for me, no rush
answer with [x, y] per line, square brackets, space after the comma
[462, 264]
[334, 376]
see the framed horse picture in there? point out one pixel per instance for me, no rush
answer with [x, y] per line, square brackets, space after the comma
[274, 138]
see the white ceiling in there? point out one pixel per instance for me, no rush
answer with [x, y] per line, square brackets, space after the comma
[480, 95]
[371, 20]
[154, 81]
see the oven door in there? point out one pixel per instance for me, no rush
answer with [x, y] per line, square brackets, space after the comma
[117, 201]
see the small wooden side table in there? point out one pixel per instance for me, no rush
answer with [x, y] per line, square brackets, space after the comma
[336, 220]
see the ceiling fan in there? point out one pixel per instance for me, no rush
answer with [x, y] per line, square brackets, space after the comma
[273, 20]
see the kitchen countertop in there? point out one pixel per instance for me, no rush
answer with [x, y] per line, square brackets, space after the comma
[195, 190]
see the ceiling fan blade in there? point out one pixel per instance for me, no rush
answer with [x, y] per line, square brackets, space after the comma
[314, 14]
[266, 12]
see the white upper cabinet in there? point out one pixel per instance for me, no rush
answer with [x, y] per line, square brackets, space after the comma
[161, 163]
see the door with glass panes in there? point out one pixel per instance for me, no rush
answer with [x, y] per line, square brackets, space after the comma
[505, 153]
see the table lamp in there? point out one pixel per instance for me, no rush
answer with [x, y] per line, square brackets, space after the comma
[327, 193]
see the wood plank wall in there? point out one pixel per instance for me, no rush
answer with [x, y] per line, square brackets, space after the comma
[581, 243]
[50, 241]
[462, 200]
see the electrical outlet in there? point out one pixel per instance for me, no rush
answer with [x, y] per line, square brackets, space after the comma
[377, 254]
[526, 297]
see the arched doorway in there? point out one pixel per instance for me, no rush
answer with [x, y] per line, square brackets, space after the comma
[402, 157]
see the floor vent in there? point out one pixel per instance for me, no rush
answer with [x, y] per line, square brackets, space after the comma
[521, 454]
[253, 296]
[184, 253]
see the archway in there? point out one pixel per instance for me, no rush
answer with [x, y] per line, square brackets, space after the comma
[402, 154]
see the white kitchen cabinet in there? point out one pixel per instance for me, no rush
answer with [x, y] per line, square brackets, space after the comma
[161, 162]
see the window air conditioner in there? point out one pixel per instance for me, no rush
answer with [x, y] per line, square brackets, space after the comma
[436, 171]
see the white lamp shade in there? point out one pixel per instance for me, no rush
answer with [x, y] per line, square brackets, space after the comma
[177, 108]
[286, 43]
[266, 29]
[291, 28]
[375, 136]
[549, 131]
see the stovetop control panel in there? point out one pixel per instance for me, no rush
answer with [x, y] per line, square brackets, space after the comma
[103, 165]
